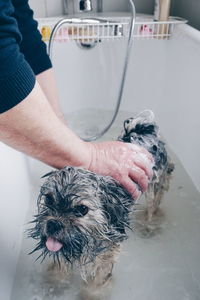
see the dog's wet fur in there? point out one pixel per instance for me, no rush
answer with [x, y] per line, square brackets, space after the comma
[89, 215]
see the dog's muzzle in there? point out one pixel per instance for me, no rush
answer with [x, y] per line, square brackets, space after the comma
[53, 227]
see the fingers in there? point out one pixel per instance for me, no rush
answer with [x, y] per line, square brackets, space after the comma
[138, 175]
[138, 149]
[131, 187]
[145, 165]
[139, 168]
[129, 164]
[142, 159]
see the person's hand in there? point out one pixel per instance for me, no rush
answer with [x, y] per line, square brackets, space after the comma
[129, 164]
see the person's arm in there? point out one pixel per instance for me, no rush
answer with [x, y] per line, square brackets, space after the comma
[29, 124]
[31, 45]
[35, 52]
[16, 76]
[47, 83]
[33, 128]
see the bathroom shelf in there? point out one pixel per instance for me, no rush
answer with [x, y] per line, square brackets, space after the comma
[99, 29]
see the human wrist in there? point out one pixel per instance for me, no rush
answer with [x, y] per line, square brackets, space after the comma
[78, 153]
[87, 153]
[97, 158]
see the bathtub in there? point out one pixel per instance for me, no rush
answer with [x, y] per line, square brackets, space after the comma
[163, 76]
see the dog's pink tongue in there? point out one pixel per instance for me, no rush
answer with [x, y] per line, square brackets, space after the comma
[53, 245]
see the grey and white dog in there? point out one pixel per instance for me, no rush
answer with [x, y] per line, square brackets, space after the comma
[83, 217]
[143, 130]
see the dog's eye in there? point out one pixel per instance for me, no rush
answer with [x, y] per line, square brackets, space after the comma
[80, 210]
[49, 199]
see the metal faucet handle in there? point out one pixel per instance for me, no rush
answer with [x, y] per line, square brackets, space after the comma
[85, 5]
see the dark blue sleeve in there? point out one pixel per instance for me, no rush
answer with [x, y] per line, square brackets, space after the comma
[32, 46]
[16, 76]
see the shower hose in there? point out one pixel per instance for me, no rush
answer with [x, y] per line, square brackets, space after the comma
[124, 72]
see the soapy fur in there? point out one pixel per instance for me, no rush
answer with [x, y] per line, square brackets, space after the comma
[83, 217]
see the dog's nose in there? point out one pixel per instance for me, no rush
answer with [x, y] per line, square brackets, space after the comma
[53, 226]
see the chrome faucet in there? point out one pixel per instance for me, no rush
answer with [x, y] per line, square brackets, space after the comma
[85, 5]
[76, 6]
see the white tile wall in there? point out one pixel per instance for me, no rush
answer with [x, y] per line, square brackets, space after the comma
[115, 5]
[54, 7]
[38, 7]
[50, 8]
[46, 8]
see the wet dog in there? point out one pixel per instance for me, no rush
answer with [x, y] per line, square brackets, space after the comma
[143, 130]
[83, 217]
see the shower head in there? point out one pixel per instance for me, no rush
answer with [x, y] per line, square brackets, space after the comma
[85, 5]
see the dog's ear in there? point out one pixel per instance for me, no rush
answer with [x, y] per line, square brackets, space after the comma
[117, 204]
[66, 169]
[48, 174]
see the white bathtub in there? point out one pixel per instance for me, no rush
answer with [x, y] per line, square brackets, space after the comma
[162, 76]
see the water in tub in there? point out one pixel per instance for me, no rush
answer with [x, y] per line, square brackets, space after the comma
[161, 265]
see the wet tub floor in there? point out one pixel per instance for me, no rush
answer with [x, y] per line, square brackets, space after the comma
[164, 265]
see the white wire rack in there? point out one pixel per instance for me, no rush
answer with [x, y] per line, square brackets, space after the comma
[96, 30]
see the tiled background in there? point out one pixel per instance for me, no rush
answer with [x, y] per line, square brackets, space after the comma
[45, 8]
[55, 7]
[189, 9]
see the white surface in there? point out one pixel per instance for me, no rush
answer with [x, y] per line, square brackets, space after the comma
[163, 76]
[44, 8]
[164, 265]
[14, 201]
[38, 7]
[54, 8]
